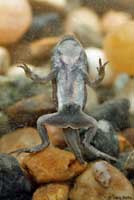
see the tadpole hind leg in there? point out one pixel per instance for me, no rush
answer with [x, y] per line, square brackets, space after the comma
[91, 149]
[73, 141]
[45, 119]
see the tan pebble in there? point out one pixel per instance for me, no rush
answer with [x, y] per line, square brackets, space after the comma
[43, 48]
[56, 136]
[119, 48]
[113, 19]
[15, 18]
[88, 31]
[4, 60]
[101, 181]
[28, 110]
[57, 191]
[21, 138]
[53, 165]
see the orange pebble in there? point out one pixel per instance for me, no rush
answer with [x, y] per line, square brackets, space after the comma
[124, 145]
[119, 48]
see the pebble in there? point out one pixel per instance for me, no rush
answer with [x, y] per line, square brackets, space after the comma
[124, 144]
[4, 60]
[101, 181]
[43, 48]
[57, 191]
[15, 17]
[14, 88]
[119, 48]
[45, 25]
[128, 92]
[88, 31]
[129, 135]
[49, 5]
[115, 111]
[27, 111]
[13, 183]
[20, 138]
[28, 137]
[52, 165]
[113, 19]
[93, 55]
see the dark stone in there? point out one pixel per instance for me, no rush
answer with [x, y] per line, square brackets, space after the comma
[114, 111]
[105, 140]
[44, 25]
[13, 183]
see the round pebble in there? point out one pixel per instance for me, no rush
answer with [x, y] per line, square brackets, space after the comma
[113, 19]
[119, 48]
[15, 18]
[88, 31]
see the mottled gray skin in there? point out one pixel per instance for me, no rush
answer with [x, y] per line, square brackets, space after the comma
[69, 75]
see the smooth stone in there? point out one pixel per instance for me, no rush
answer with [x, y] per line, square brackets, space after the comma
[52, 165]
[113, 19]
[14, 88]
[43, 48]
[101, 181]
[13, 183]
[88, 31]
[124, 144]
[15, 17]
[45, 25]
[27, 138]
[27, 111]
[115, 111]
[57, 191]
[119, 47]
[129, 135]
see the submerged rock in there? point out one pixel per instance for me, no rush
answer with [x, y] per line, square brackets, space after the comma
[52, 165]
[119, 47]
[13, 184]
[115, 111]
[88, 31]
[27, 111]
[101, 181]
[57, 191]
[15, 17]
[44, 25]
